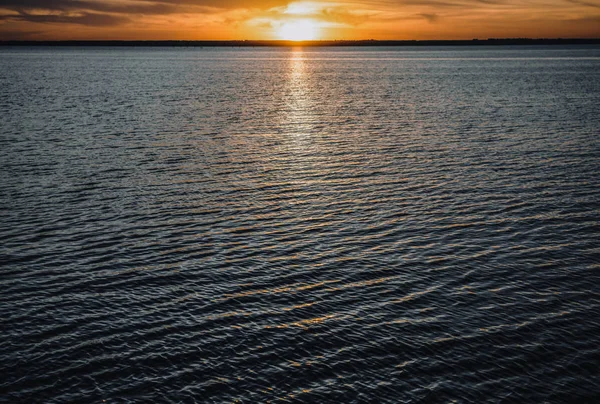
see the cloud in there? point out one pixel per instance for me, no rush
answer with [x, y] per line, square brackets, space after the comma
[138, 7]
[19, 35]
[81, 12]
[225, 4]
[90, 19]
[103, 13]
[585, 3]
[342, 15]
[431, 17]
[131, 7]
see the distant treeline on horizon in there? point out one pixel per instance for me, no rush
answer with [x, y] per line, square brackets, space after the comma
[369, 42]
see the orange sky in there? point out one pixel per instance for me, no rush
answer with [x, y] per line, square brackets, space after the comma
[280, 19]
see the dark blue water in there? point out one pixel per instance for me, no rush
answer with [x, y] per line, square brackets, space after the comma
[300, 225]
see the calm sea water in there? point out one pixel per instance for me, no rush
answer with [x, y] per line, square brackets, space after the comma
[300, 225]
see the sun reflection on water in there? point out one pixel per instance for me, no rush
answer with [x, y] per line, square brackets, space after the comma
[300, 104]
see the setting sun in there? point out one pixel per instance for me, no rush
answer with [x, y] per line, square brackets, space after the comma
[298, 30]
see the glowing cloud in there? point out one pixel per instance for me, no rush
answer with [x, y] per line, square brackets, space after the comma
[298, 30]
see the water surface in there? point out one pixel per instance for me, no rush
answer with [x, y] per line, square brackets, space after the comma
[300, 225]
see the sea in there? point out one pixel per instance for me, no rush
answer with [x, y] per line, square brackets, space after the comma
[288, 224]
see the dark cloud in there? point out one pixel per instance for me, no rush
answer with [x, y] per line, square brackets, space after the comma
[99, 12]
[19, 35]
[430, 17]
[588, 20]
[491, 2]
[90, 19]
[111, 13]
[139, 7]
[585, 3]
[449, 4]
[226, 4]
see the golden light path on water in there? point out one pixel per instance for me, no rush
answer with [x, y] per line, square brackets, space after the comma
[300, 102]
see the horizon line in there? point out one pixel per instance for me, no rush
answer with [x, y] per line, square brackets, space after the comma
[307, 43]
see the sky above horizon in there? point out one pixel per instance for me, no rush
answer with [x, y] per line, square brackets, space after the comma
[281, 19]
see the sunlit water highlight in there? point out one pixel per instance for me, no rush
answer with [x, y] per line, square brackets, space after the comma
[301, 225]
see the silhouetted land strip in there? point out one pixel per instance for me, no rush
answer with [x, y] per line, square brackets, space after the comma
[474, 42]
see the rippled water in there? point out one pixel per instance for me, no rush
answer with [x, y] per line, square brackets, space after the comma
[300, 225]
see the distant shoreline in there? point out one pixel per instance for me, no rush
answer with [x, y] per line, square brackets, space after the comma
[253, 43]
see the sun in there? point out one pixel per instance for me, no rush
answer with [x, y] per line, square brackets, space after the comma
[298, 30]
